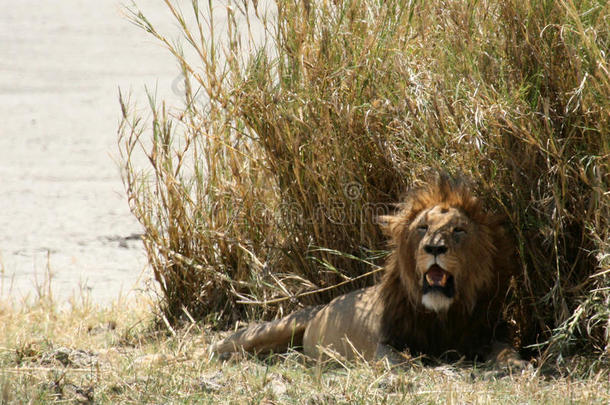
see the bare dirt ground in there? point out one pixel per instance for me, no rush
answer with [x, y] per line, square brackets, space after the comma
[61, 197]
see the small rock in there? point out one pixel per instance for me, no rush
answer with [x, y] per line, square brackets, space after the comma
[278, 387]
[70, 357]
[151, 359]
[211, 382]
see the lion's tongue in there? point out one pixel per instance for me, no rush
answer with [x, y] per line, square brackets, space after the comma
[436, 276]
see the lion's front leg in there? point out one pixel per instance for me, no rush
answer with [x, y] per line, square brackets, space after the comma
[393, 356]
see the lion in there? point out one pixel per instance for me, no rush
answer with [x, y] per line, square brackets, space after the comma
[442, 292]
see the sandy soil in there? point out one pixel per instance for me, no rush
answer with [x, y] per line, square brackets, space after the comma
[61, 196]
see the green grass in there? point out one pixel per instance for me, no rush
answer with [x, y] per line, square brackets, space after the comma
[288, 147]
[79, 353]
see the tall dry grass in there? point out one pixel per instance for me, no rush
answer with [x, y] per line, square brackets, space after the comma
[266, 184]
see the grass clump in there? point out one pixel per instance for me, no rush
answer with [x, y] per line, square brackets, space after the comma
[266, 183]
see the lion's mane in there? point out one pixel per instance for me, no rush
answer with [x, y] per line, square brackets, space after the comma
[476, 318]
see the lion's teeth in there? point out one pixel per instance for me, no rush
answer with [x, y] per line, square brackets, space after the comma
[435, 281]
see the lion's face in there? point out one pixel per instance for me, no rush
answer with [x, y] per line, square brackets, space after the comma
[445, 257]
[452, 257]
[442, 237]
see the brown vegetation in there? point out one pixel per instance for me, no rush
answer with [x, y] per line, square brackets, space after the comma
[267, 187]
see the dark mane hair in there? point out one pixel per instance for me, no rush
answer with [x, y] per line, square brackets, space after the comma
[466, 329]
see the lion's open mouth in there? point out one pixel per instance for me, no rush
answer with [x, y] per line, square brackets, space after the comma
[437, 279]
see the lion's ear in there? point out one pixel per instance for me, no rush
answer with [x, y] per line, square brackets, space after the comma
[390, 224]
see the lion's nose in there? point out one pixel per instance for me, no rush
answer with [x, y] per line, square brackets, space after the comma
[435, 250]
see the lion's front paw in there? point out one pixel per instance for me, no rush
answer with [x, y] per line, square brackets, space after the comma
[510, 365]
[506, 360]
[513, 365]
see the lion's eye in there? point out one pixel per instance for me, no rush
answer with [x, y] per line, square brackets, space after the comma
[422, 228]
[459, 231]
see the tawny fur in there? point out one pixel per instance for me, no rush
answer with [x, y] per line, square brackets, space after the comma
[460, 317]
[276, 336]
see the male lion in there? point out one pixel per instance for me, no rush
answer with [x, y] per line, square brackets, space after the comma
[442, 291]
